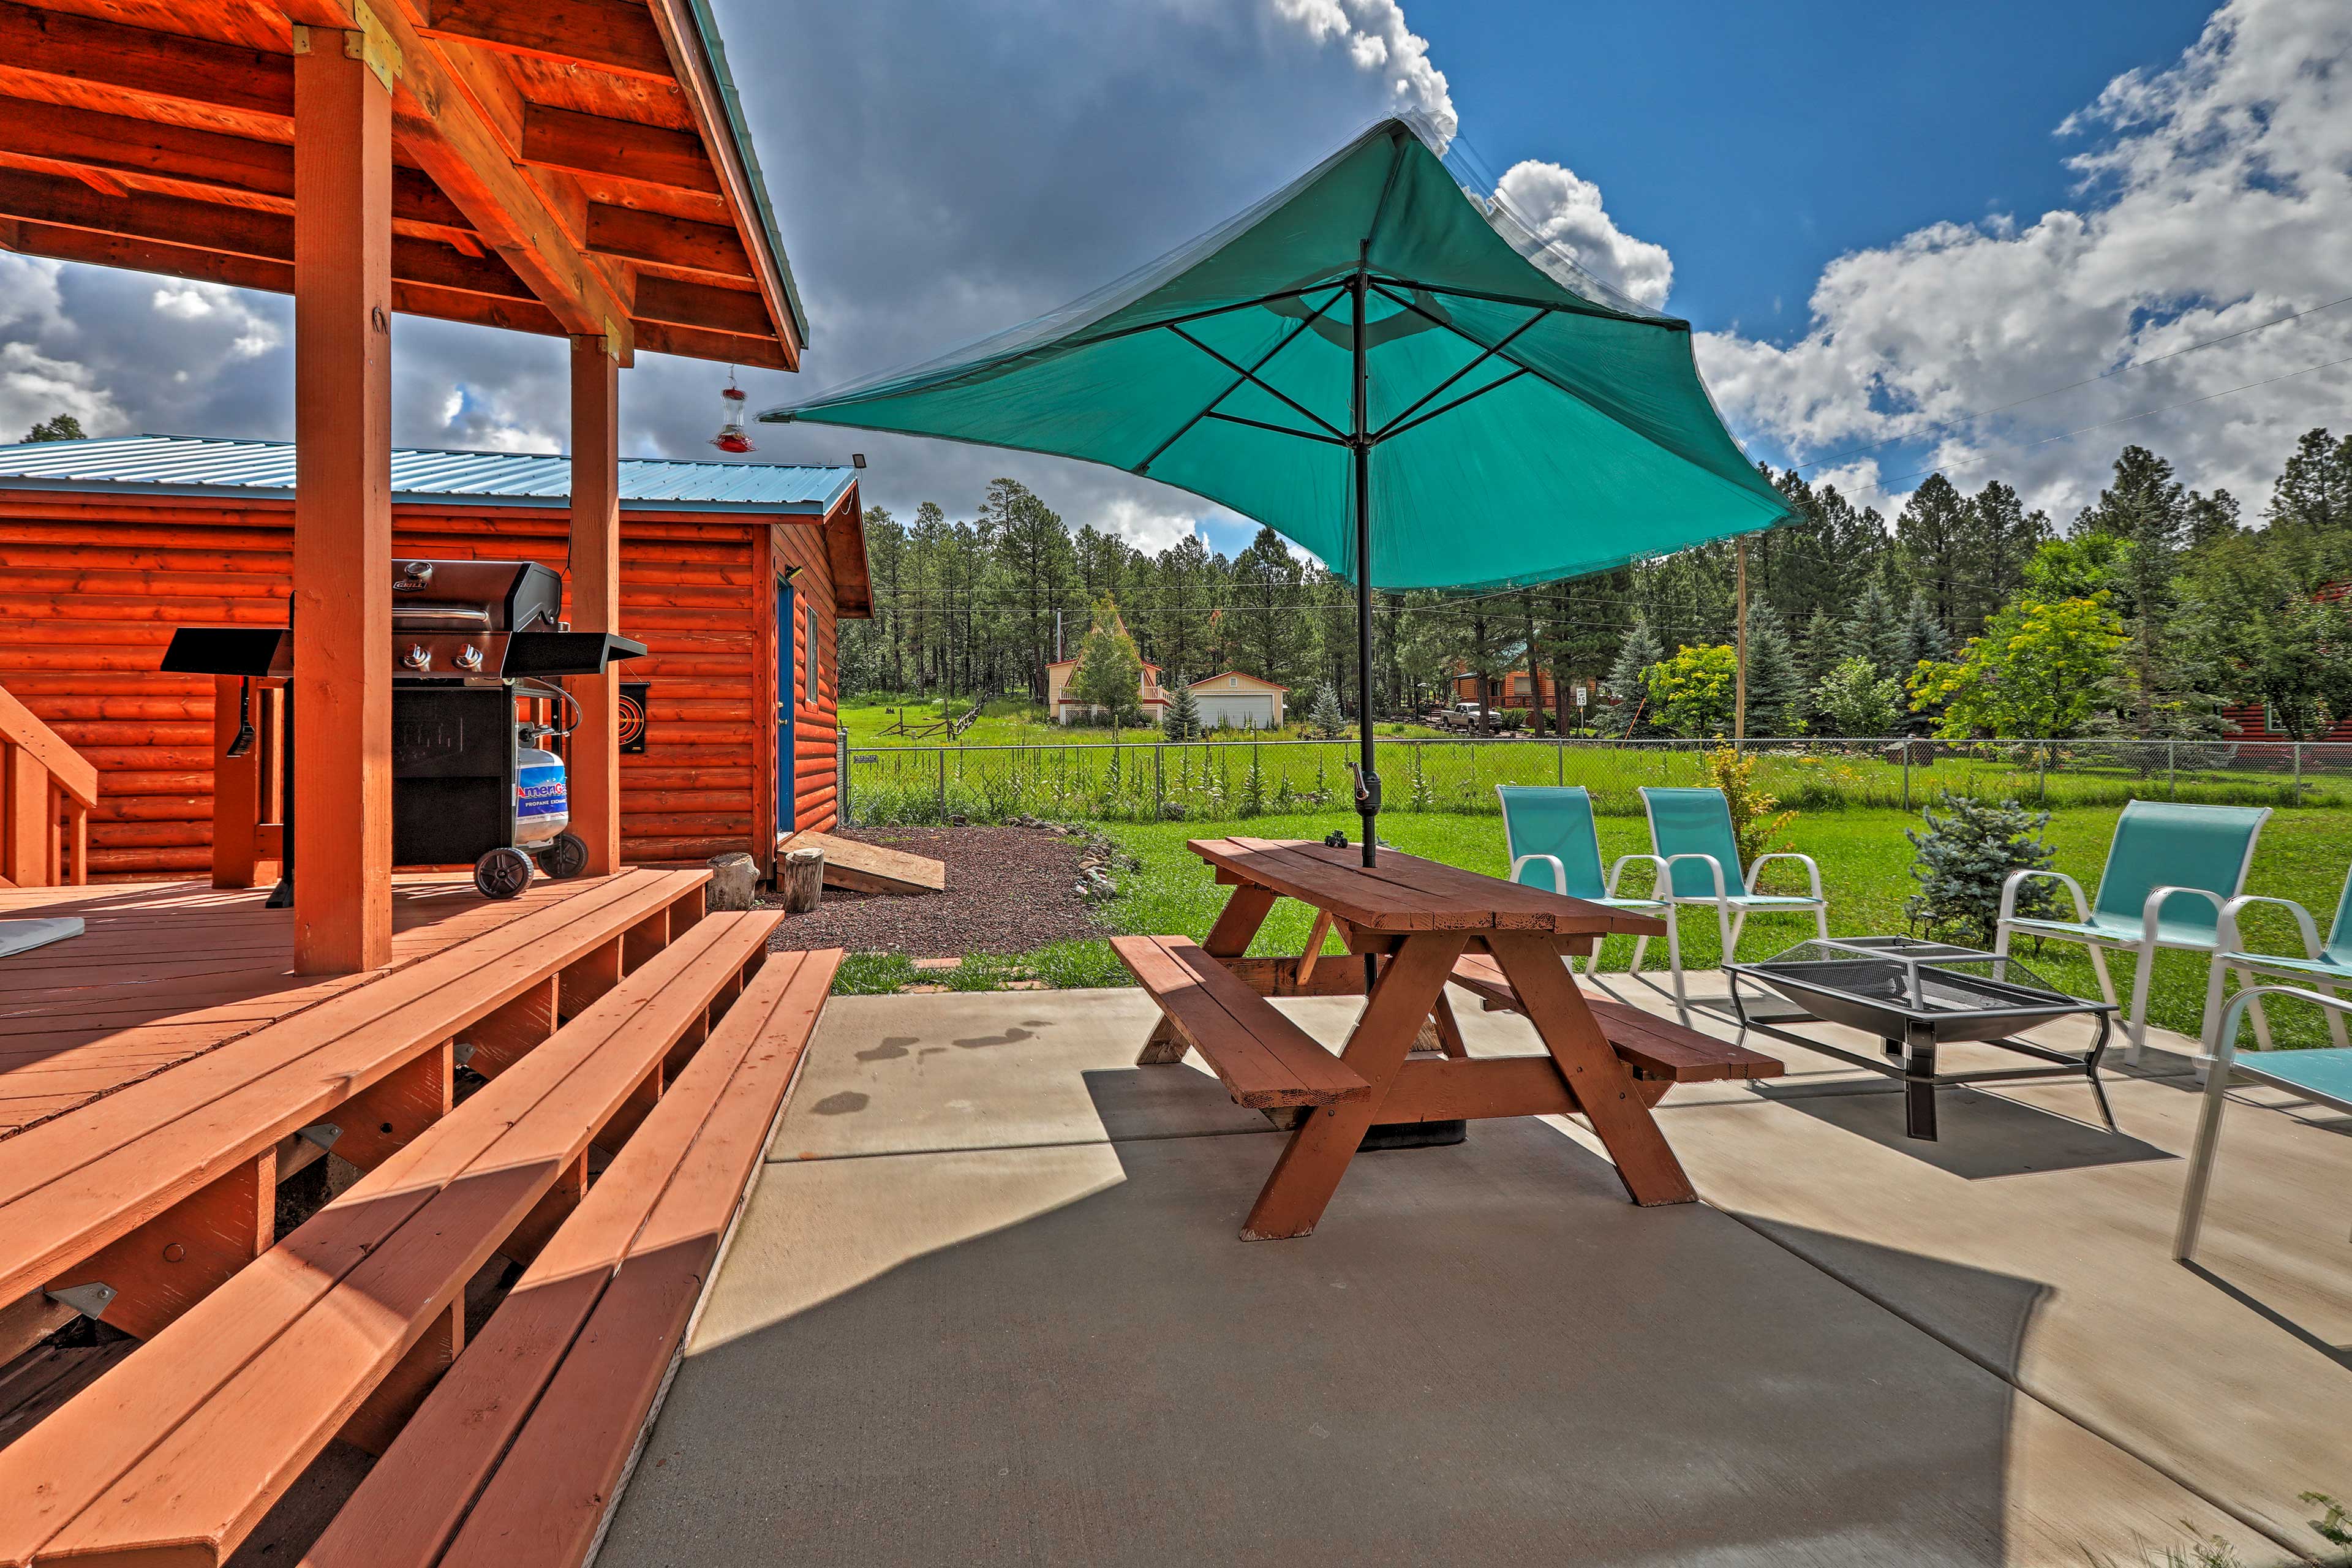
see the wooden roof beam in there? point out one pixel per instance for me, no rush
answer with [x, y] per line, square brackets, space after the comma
[609, 35]
[639, 236]
[177, 221]
[146, 63]
[440, 126]
[615, 149]
[119, 143]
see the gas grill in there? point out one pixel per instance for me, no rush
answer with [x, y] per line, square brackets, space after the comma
[472, 780]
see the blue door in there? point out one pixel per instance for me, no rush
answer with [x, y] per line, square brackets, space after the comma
[785, 822]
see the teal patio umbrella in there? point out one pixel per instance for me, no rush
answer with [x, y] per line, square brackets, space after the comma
[1396, 374]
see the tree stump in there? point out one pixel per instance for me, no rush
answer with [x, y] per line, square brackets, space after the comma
[799, 880]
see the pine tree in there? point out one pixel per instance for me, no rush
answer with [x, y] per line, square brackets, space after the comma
[1871, 630]
[1183, 720]
[1324, 717]
[2146, 510]
[1629, 679]
[2315, 491]
[1923, 641]
[1776, 686]
[2212, 518]
[1936, 535]
[2003, 537]
[1822, 647]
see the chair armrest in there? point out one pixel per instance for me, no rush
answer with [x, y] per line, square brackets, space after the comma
[2017, 878]
[1813, 872]
[1714, 866]
[2232, 940]
[1559, 871]
[1659, 885]
[2223, 1046]
[2151, 911]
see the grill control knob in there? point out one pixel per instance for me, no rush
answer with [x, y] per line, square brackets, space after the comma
[416, 657]
[469, 658]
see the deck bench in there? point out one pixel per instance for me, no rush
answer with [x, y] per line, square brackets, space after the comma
[175, 1454]
[1263, 1059]
[1659, 1051]
[517, 1455]
[182, 1165]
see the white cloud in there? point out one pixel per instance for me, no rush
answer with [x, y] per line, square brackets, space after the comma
[1150, 527]
[1374, 35]
[34, 387]
[1566, 211]
[2214, 198]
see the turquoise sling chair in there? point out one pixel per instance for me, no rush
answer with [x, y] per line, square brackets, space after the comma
[2328, 964]
[1697, 858]
[2171, 872]
[2322, 1077]
[1548, 833]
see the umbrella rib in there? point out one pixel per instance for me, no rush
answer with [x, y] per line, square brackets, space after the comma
[1298, 293]
[1466, 397]
[1398, 424]
[1266, 387]
[1263, 360]
[1571, 306]
[1278, 430]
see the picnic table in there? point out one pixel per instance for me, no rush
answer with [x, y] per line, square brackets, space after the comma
[1419, 919]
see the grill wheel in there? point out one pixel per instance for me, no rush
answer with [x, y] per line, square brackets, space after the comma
[502, 873]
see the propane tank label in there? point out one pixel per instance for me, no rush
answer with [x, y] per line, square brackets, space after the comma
[539, 793]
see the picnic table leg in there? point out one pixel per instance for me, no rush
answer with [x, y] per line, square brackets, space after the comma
[1602, 1085]
[1449, 1030]
[1317, 1156]
[1229, 937]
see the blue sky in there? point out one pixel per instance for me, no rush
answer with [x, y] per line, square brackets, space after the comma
[1757, 142]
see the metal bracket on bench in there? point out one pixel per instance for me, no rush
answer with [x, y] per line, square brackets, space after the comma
[322, 1133]
[91, 1298]
[460, 1053]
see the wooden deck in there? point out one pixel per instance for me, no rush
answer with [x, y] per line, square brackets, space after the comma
[167, 972]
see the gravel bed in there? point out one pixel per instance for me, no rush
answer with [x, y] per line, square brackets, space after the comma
[1010, 889]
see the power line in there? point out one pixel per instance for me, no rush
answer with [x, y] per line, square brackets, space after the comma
[1960, 419]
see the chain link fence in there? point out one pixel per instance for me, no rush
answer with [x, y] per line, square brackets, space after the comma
[1217, 781]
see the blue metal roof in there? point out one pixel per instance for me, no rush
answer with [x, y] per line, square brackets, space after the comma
[195, 465]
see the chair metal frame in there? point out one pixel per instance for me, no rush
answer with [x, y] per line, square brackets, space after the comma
[2235, 954]
[2226, 1059]
[1559, 872]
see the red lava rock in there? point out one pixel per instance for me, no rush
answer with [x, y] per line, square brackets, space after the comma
[1010, 889]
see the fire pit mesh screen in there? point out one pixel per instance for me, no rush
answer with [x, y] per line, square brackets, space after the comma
[1915, 977]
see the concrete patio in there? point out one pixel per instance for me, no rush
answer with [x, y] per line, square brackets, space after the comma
[988, 1305]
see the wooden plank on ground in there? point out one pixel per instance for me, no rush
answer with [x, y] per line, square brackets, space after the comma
[869, 868]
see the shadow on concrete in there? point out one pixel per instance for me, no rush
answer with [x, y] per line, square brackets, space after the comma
[1980, 1135]
[2340, 1354]
[1484, 1355]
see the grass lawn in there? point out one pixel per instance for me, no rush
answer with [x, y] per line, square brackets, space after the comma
[1862, 854]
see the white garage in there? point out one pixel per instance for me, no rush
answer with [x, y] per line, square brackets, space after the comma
[1237, 701]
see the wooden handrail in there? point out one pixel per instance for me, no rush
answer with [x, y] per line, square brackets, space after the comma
[46, 792]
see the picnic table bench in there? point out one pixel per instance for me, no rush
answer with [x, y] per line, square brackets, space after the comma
[1420, 925]
[670, 1051]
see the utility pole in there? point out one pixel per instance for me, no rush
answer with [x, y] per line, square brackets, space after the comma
[1739, 680]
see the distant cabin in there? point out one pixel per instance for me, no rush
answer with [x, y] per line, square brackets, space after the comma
[1068, 710]
[733, 574]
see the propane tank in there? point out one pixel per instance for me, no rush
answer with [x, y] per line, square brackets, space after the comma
[541, 809]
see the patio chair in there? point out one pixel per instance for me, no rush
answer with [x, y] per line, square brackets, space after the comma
[2322, 1077]
[2328, 964]
[2170, 869]
[1697, 858]
[1548, 833]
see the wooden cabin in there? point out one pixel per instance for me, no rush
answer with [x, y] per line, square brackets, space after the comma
[727, 569]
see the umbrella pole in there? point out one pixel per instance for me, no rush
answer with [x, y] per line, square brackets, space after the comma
[1367, 780]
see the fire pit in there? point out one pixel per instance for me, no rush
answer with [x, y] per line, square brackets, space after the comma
[1915, 996]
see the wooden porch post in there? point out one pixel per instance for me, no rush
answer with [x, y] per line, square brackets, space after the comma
[343, 503]
[595, 779]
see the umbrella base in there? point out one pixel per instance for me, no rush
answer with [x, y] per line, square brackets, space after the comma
[1414, 1135]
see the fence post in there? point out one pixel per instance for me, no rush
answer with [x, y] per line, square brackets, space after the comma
[841, 775]
[1560, 760]
[1906, 772]
[2041, 771]
[1158, 782]
[944, 786]
[2298, 773]
[2173, 769]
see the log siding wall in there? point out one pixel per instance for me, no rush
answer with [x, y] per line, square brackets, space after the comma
[89, 594]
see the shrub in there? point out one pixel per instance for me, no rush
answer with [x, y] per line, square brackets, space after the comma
[1965, 855]
[1325, 720]
[1753, 824]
